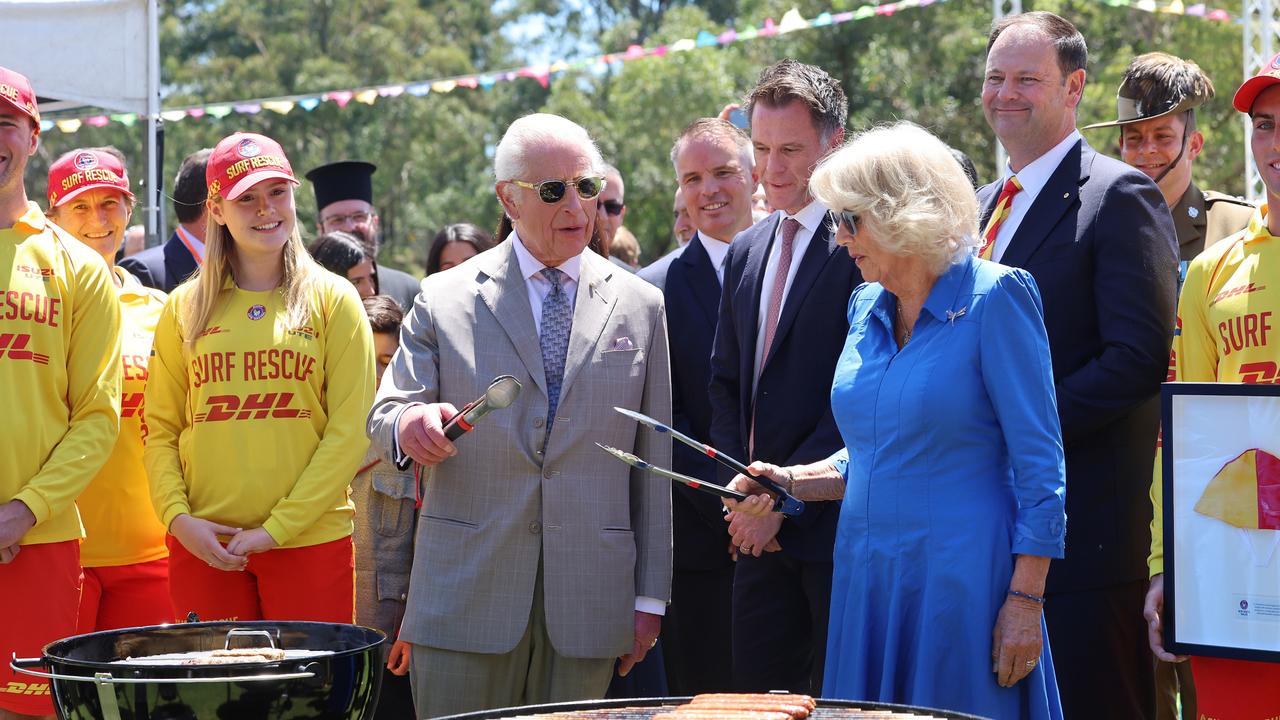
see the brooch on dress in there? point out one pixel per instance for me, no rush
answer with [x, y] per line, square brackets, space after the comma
[951, 316]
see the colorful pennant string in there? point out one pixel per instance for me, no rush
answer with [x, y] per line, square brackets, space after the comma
[792, 21]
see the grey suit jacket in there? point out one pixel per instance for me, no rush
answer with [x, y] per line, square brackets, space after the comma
[601, 530]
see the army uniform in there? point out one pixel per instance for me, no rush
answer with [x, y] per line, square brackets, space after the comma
[1203, 218]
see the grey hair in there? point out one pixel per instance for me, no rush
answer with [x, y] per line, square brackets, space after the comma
[610, 170]
[533, 130]
[715, 129]
[905, 186]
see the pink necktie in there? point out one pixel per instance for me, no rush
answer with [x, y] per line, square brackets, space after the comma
[790, 226]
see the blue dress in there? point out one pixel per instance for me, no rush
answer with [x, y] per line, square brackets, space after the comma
[954, 465]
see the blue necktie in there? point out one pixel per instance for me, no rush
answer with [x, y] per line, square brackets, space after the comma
[557, 319]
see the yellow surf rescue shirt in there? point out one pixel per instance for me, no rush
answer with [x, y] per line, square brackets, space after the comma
[260, 424]
[120, 525]
[59, 372]
[1228, 329]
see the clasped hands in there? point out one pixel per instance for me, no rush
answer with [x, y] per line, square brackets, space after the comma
[200, 538]
[753, 526]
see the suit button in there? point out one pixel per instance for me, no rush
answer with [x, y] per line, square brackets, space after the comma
[404, 596]
[535, 527]
[538, 422]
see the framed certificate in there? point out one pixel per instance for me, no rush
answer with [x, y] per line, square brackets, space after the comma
[1222, 519]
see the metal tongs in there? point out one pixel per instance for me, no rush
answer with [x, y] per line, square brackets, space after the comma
[784, 503]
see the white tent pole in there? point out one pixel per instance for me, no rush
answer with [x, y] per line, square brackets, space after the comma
[154, 190]
[1000, 9]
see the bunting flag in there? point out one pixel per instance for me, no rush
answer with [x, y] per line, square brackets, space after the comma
[792, 21]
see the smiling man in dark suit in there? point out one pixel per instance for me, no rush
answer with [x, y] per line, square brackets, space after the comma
[781, 328]
[167, 266]
[1098, 238]
[714, 166]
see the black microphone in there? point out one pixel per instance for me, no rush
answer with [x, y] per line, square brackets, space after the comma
[501, 393]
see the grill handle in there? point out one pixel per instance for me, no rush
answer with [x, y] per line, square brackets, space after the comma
[272, 636]
[21, 665]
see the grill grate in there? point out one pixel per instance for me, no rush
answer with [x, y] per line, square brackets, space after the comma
[645, 713]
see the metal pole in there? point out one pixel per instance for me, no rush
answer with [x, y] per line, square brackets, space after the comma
[999, 10]
[1259, 47]
[154, 191]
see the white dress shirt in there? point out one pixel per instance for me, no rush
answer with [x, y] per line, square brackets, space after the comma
[538, 286]
[717, 251]
[809, 218]
[1033, 178]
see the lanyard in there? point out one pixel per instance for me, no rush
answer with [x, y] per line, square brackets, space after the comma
[189, 242]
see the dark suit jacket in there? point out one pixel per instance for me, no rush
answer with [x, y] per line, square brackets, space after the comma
[400, 285]
[692, 292]
[164, 267]
[1100, 243]
[793, 397]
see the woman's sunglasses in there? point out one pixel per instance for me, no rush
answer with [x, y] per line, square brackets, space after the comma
[552, 191]
[846, 219]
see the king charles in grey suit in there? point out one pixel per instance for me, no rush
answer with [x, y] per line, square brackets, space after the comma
[539, 559]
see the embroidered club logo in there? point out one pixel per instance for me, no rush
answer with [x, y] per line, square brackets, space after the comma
[86, 160]
[248, 148]
[256, 312]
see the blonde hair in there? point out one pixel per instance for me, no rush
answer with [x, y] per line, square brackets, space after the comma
[298, 276]
[905, 185]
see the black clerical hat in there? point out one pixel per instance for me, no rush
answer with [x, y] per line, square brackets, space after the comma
[343, 180]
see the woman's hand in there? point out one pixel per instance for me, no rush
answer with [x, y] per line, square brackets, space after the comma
[1016, 641]
[247, 542]
[759, 501]
[398, 661]
[200, 538]
[1152, 609]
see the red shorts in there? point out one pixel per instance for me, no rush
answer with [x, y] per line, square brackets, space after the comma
[37, 606]
[1236, 689]
[314, 583]
[124, 596]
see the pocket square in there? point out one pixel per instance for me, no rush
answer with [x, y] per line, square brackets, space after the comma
[622, 343]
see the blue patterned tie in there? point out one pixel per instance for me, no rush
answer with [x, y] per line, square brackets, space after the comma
[557, 319]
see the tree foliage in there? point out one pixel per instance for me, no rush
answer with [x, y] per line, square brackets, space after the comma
[434, 153]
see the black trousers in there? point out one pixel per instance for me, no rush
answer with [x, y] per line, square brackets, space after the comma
[1100, 653]
[395, 702]
[780, 608]
[698, 632]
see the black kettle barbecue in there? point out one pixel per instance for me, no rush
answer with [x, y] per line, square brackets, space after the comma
[327, 672]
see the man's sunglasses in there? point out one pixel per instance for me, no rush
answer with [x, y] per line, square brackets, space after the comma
[613, 207]
[846, 219]
[552, 191]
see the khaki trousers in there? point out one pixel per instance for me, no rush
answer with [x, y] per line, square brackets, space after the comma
[446, 682]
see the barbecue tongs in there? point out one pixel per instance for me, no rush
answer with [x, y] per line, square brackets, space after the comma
[785, 503]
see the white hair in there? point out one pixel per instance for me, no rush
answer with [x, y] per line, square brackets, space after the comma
[905, 185]
[509, 160]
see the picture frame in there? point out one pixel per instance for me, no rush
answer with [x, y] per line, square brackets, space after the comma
[1221, 489]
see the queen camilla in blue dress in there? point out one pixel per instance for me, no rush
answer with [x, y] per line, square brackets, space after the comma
[953, 476]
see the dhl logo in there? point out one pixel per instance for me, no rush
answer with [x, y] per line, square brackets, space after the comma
[255, 406]
[306, 331]
[14, 347]
[131, 404]
[44, 274]
[1232, 292]
[212, 331]
[1264, 372]
[21, 688]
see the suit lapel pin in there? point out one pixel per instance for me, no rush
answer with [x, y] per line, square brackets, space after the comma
[951, 316]
[1066, 195]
